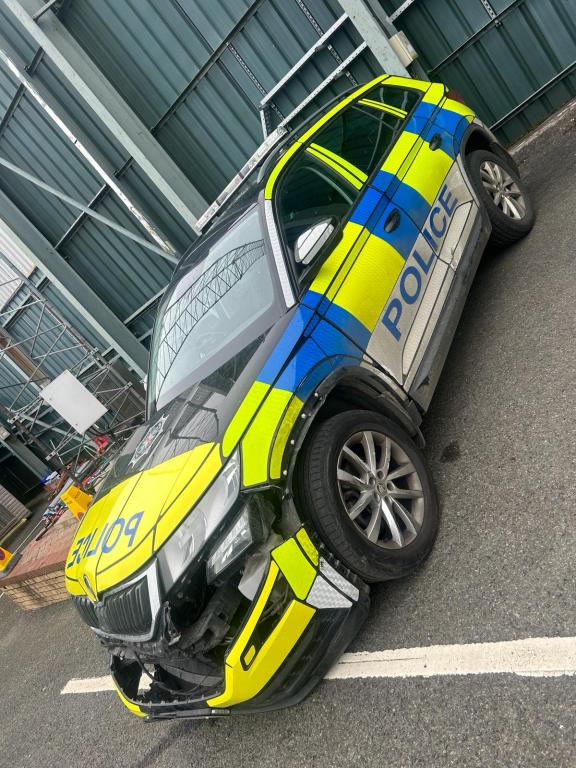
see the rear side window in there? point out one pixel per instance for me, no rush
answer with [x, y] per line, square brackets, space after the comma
[363, 133]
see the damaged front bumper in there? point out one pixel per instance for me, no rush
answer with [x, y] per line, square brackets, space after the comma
[325, 606]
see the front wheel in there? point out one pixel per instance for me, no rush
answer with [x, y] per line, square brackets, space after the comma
[364, 486]
[504, 196]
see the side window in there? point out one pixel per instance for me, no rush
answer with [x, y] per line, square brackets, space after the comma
[310, 194]
[360, 136]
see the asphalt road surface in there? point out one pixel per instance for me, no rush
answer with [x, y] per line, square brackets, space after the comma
[502, 445]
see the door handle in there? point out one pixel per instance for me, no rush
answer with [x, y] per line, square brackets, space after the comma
[393, 221]
[435, 142]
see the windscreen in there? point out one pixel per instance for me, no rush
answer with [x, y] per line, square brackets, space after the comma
[214, 309]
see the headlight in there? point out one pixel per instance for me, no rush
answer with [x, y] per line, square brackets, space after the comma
[185, 544]
[251, 527]
[234, 543]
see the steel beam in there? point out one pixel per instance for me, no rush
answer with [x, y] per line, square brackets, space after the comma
[26, 456]
[86, 210]
[364, 18]
[89, 82]
[76, 134]
[78, 293]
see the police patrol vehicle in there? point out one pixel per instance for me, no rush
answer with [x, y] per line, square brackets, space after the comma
[226, 560]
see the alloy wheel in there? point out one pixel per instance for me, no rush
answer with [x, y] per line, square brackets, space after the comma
[381, 489]
[503, 190]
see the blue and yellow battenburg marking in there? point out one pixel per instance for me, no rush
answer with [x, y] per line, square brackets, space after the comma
[337, 316]
[330, 328]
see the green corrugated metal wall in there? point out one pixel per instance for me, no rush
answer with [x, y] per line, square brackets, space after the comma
[513, 60]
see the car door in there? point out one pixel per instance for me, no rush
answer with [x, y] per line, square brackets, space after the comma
[428, 204]
[375, 279]
[384, 258]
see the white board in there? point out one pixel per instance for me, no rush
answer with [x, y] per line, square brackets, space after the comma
[73, 401]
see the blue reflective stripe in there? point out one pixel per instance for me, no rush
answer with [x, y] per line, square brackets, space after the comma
[369, 207]
[404, 197]
[285, 345]
[296, 361]
[349, 325]
[447, 145]
[420, 118]
[403, 238]
[373, 216]
[306, 357]
[356, 330]
[448, 120]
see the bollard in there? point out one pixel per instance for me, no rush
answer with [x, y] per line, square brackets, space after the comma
[7, 561]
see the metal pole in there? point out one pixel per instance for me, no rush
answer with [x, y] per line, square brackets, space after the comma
[371, 30]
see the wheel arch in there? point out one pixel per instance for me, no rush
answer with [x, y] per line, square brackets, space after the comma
[477, 136]
[352, 388]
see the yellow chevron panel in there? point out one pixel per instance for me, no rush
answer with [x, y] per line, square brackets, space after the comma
[290, 418]
[258, 439]
[427, 172]
[243, 416]
[370, 282]
[353, 237]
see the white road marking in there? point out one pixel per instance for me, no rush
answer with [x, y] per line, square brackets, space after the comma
[533, 657]
[89, 685]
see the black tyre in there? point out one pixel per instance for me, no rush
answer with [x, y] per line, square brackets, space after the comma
[365, 487]
[504, 196]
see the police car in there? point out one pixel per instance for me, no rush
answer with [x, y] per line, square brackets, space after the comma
[228, 556]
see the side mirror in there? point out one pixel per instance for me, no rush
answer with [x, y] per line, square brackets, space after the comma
[311, 242]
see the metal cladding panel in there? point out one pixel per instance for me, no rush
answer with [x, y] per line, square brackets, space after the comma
[72, 316]
[34, 143]
[210, 151]
[153, 56]
[23, 45]
[515, 69]
[148, 51]
[120, 271]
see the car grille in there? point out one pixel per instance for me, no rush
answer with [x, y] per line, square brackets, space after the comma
[126, 612]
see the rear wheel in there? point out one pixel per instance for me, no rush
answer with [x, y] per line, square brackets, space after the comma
[365, 487]
[504, 196]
